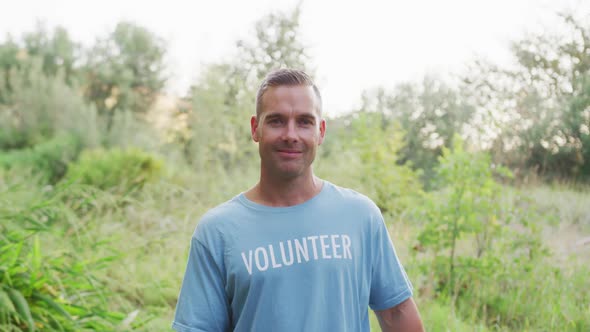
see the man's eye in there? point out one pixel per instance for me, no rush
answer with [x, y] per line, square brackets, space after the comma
[275, 121]
[306, 121]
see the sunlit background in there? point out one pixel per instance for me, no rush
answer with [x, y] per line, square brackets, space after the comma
[466, 122]
[353, 45]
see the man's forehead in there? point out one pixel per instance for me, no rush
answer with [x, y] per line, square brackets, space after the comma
[291, 97]
[299, 91]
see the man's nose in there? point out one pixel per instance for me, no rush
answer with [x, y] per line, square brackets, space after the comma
[290, 132]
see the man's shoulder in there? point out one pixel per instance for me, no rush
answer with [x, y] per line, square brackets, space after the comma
[352, 198]
[221, 212]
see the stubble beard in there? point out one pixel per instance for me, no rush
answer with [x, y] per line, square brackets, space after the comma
[278, 168]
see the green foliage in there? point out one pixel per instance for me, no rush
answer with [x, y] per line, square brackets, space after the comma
[523, 292]
[48, 293]
[10, 61]
[577, 123]
[437, 317]
[41, 290]
[45, 79]
[538, 111]
[219, 133]
[53, 54]
[116, 170]
[277, 45]
[57, 50]
[124, 71]
[430, 112]
[486, 256]
[470, 208]
[48, 160]
[481, 262]
[130, 130]
[368, 144]
[392, 186]
[223, 99]
[41, 107]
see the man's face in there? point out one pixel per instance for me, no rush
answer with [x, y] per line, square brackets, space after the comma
[288, 131]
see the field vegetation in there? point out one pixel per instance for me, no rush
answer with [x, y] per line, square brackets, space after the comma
[484, 185]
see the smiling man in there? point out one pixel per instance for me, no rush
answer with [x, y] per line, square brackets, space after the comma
[294, 252]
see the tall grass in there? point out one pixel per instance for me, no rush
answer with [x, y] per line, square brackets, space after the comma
[155, 227]
[115, 262]
[45, 286]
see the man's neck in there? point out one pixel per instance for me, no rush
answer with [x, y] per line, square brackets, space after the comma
[285, 192]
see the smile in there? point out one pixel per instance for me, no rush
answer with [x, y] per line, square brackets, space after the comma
[289, 153]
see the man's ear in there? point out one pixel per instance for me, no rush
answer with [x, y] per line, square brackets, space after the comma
[322, 131]
[254, 128]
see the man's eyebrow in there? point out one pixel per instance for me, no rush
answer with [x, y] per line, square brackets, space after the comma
[273, 115]
[307, 115]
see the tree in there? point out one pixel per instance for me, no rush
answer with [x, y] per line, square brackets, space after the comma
[125, 71]
[430, 113]
[378, 141]
[218, 122]
[223, 99]
[540, 107]
[59, 53]
[56, 51]
[42, 107]
[277, 45]
[10, 61]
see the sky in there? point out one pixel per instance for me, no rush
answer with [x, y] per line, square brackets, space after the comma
[354, 45]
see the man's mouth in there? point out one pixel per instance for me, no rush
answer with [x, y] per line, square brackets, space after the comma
[286, 152]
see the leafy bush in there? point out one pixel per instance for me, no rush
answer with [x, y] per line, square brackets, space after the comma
[115, 170]
[527, 294]
[48, 160]
[48, 293]
[487, 260]
[46, 290]
[41, 107]
[466, 206]
[130, 130]
[369, 147]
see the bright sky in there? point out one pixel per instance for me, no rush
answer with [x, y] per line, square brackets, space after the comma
[355, 45]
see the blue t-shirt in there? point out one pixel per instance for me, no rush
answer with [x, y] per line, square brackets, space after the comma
[316, 266]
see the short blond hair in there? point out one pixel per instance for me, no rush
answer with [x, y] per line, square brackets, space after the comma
[286, 77]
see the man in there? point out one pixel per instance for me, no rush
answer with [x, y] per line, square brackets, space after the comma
[293, 253]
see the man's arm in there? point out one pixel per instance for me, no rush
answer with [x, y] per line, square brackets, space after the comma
[202, 304]
[404, 317]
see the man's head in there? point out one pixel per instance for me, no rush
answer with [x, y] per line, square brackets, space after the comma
[288, 126]
[286, 77]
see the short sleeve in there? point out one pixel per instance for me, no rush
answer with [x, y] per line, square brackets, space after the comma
[202, 304]
[389, 283]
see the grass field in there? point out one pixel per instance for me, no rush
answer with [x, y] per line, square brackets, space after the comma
[136, 246]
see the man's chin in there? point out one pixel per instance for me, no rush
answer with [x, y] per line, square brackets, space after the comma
[286, 170]
[289, 173]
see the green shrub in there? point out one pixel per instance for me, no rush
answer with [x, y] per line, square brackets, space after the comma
[437, 317]
[364, 155]
[115, 170]
[48, 160]
[466, 207]
[41, 289]
[487, 260]
[40, 108]
[10, 137]
[48, 293]
[521, 294]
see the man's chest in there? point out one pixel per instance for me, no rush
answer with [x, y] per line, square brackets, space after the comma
[280, 252]
[283, 253]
